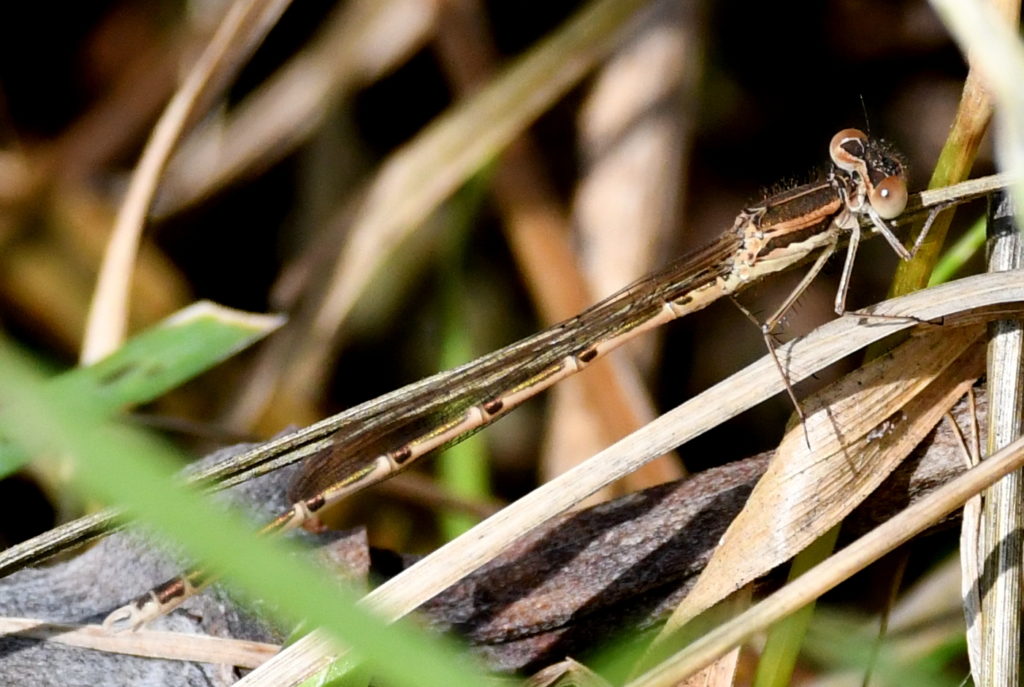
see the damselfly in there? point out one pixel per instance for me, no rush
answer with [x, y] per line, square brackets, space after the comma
[866, 180]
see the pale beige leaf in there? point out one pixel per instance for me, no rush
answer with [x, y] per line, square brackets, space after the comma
[722, 673]
[859, 428]
[970, 544]
[567, 673]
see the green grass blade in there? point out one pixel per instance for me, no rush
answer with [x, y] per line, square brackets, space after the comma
[954, 259]
[464, 468]
[155, 361]
[119, 464]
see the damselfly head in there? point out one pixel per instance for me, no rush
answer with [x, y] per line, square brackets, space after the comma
[874, 164]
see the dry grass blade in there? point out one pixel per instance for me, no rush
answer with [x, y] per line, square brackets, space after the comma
[759, 381]
[994, 48]
[988, 36]
[970, 545]
[362, 40]
[635, 139]
[609, 402]
[634, 136]
[999, 558]
[426, 171]
[859, 428]
[408, 187]
[243, 28]
[149, 643]
[842, 565]
[721, 673]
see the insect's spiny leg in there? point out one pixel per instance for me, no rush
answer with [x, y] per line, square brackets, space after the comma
[772, 322]
[767, 333]
[926, 229]
[890, 237]
[844, 280]
[770, 344]
[769, 326]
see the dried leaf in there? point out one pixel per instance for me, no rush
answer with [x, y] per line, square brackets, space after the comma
[860, 429]
[567, 673]
[722, 672]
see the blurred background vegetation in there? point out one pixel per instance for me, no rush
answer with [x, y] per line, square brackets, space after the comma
[306, 174]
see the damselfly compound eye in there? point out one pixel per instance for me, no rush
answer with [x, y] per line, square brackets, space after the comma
[889, 198]
[848, 149]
